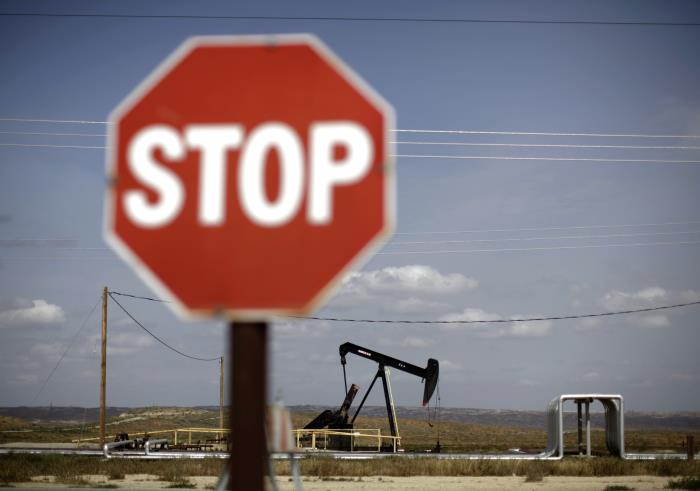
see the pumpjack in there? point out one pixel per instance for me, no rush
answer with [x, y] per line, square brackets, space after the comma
[340, 418]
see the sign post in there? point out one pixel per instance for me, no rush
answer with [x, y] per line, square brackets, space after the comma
[246, 176]
[248, 390]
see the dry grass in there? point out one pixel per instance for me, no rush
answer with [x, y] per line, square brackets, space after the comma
[461, 437]
[684, 483]
[22, 467]
[68, 469]
[416, 434]
[399, 467]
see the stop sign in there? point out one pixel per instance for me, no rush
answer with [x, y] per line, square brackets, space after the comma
[247, 174]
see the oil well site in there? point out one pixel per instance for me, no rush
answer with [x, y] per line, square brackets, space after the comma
[397, 245]
[574, 434]
[585, 434]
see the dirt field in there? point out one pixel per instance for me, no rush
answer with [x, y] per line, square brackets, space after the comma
[419, 483]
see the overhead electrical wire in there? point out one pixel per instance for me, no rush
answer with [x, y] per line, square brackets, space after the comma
[46, 145]
[350, 19]
[495, 321]
[517, 239]
[547, 159]
[157, 338]
[541, 229]
[48, 133]
[65, 352]
[63, 121]
[544, 145]
[437, 232]
[460, 241]
[407, 130]
[499, 321]
[405, 253]
[523, 249]
[457, 144]
[450, 157]
[544, 133]
[139, 297]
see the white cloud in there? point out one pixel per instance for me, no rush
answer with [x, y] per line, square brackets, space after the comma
[529, 328]
[46, 349]
[647, 298]
[121, 343]
[23, 379]
[449, 366]
[363, 286]
[652, 296]
[308, 329]
[496, 330]
[649, 320]
[414, 305]
[588, 323]
[521, 329]
[39, 312]
[471, 315]
[415, 342]
[689, 296]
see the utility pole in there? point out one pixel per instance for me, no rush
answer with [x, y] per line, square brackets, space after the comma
[247, 390]
[221, 392]
[103, 367]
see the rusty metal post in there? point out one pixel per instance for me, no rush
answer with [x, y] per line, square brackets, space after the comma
[690, 446]
[103, 368]
[588, 427]
[221, 395]
[248, 389]
[580, 427]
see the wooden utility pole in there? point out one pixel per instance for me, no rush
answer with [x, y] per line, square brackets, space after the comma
[221, 392]
[248, 387]
[103, 367]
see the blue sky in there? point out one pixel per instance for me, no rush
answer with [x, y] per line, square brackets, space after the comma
[561, 78]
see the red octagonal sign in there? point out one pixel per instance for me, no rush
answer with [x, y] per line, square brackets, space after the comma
[247, 174]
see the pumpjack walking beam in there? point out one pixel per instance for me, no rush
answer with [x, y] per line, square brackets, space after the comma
[429, 374]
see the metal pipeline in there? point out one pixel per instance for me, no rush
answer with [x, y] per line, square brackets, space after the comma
[154, 441]
[334, 455]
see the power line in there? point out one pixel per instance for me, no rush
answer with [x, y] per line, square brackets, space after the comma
[450, 157]
[529, 319]
[533, 229]
[65, 352]
[565, 237]
[46, 145]
[424, 242]
[550, 159]
[524, 249]
[157, 338]
[35, 120]
[47, 133]
[544, 145]
[499, 321]
[438, 251]
[457, 144]
[350, 19]
[139, 297]
[544, 133]
[436, 232]
[406, 130]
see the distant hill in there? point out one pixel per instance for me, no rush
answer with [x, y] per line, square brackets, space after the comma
[59, 414]
[634, 420]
